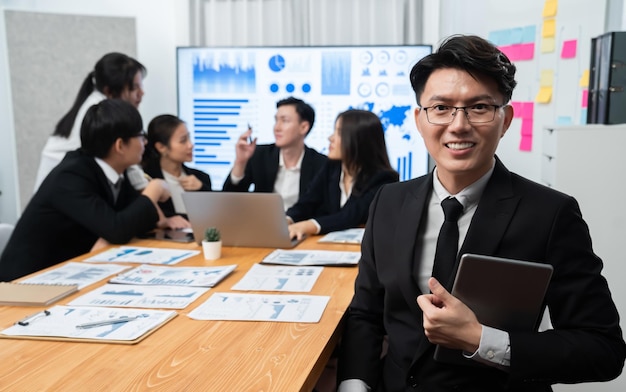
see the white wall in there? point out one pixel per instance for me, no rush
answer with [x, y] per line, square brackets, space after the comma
[162, 25]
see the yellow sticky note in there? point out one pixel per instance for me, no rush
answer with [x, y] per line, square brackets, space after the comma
[547, 78]
[584, 79]
[549, 28]
[549, 8]
[544, 95]
[547, 45]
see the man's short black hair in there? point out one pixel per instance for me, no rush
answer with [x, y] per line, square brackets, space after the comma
[472, 54]
[107, 121]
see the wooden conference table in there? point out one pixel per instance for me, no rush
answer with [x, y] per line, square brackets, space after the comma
[186, 354]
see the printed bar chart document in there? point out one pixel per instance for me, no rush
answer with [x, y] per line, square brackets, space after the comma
[174, 276]
[138, 254]
[74, 273]
[134, 296]
[312, 257]
[279, 278]
[262, 307]
[348, 236]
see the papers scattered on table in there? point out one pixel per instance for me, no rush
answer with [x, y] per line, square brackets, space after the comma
[174, 276]
[63, 321]
[276, 278]
[312, 257]
[261, 307]
[166, 297]
[348, 236]
[137, 254]
[79, 274]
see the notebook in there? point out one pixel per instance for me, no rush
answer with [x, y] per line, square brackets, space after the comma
[25, 294]
[244, 218]
[503, 293]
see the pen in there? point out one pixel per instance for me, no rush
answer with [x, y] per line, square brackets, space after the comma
[250, 137]
[106, 322]
[29, 319]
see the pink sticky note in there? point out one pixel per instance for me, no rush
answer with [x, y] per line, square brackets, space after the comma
[585, 98]
[528, 110]
[518, 108]
[527, 127]
[569, 49]
[526, 144]
[511, 51]
[527, 51]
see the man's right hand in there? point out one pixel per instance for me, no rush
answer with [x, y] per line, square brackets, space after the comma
[243, 151]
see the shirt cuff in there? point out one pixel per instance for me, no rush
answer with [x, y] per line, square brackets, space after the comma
[494, 348]
[353, 385]
[235, 179]
[137, 177]
[317, 225]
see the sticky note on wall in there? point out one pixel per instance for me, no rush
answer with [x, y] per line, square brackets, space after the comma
[549, 8]
[546, 79]
[549, 28]
[569, 49]
[544, 95]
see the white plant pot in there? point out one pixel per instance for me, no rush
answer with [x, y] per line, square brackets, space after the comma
[212, 250]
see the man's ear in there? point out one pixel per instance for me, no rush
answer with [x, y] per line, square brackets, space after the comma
[304, 127]
[118, 146]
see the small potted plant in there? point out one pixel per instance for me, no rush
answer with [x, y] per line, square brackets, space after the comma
[212, 244]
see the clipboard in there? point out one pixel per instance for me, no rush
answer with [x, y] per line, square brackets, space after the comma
[60, 322]
[503, 293]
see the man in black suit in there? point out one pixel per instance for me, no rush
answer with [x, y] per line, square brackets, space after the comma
[463, 90]
[286, 166]
[87, 201]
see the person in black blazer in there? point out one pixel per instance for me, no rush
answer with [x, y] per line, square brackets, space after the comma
[86, 201]
[169, 146]
[463, 90]
[270, 166]
[340, 195]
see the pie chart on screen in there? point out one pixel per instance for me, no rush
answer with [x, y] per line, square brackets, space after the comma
[277, 63]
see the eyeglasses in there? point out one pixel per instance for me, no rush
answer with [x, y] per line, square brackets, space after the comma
[142, 134]
[476, 114]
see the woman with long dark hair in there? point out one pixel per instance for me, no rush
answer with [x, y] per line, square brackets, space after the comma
[169, 147]
[339, 196]
[115, 75]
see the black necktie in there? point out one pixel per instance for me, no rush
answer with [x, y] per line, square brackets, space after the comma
[115, 188]
[447, 242]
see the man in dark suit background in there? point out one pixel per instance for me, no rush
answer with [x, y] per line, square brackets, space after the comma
[286, 166]
[463, 90]
[87, 201]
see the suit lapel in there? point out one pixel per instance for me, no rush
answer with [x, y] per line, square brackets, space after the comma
[272, 167]
[306, 171]
[494, 212]
[407, 267]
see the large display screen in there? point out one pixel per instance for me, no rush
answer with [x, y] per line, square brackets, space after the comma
[222, 91]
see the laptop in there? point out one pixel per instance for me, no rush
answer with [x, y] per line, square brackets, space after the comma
[503, 293]
[244, 219]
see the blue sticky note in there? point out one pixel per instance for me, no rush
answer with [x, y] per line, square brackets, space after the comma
[516, 35]
[564, 120]
[528, 35]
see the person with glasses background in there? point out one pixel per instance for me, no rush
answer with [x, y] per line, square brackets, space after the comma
[86, 200]
[463, 90]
